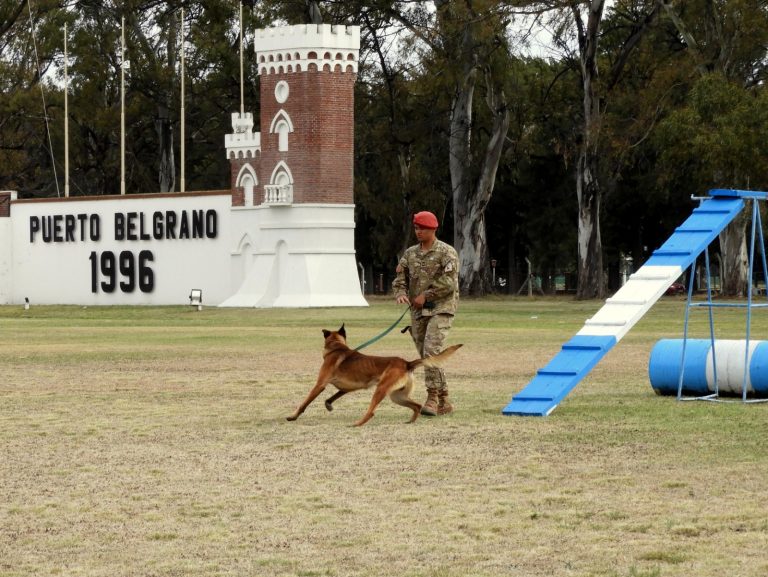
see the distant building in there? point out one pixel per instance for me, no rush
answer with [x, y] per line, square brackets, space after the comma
[283, 236]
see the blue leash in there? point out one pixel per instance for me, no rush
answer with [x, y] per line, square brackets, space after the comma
[376, 338]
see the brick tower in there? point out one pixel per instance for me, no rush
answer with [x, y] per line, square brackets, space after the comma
[300, 171]
[308, 75]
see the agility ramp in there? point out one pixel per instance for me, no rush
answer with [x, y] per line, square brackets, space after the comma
[622, 311]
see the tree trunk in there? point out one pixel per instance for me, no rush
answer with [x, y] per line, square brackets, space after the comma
[590, 271]
[733, 242]
[167, 82]
[166, 176]
[590, 256]
[405, 194]
[459, 160]
[469, 208]
[470, 49]
[733, 247]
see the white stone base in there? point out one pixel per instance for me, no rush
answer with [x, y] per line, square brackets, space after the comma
[302, 256]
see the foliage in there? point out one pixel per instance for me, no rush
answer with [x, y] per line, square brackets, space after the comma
[682, 112]
[719, 136]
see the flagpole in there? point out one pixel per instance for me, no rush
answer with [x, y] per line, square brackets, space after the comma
[242, 97]
[66, 117]
[182, 186]
[122, 107]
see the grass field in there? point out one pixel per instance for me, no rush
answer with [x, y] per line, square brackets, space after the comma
[153, 442]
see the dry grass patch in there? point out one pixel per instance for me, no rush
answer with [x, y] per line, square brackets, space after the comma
[154, 442]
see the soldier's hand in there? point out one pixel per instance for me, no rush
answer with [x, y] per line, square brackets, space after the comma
[403, 300]
[418, 302]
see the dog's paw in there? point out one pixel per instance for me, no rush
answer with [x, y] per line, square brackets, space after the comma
[329, 405]
[292, 418]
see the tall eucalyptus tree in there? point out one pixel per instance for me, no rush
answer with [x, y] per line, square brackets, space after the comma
[580, 21]
[727, 40]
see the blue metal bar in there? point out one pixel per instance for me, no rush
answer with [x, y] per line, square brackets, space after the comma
[762, 253]
[749, 299]
[685, 332]
[711, 325]
[729, 305]
[756, 232]
[754, 194]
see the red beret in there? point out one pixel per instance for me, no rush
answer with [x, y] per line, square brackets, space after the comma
[425, 219]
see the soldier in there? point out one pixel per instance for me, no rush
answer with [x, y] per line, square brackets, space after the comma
[428, 280]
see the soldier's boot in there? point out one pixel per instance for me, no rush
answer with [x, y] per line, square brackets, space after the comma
[444, 406]
[429, 408]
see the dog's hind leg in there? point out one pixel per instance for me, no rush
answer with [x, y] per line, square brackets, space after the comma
[385, 384]
[332, 399]
[402, 396]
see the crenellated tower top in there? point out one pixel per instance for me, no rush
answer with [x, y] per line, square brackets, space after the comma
[305, 47]
[243, 142]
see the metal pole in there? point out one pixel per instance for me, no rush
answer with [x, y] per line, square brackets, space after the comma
[122, 107]
[66, 117]
[711, 323]
[182, 185]
[681, 374]
[242, 92]
[530, 278]
[749, 298]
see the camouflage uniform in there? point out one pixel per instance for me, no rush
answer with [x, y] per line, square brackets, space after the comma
[436, 274]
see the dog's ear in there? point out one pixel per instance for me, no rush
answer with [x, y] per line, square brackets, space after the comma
[326, 333]
[342, 332]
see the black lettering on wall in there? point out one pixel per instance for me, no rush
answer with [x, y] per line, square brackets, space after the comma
[157, 225]
[95, 227]
[170, 224]
[47, 234]
[82, 218]
[184, 225]
[57, 221]
[211, 224]
[143, 234]
[110, 272]
[34, 227]
[131, 226]
[197, 224]
[70, 223]
[119, 226]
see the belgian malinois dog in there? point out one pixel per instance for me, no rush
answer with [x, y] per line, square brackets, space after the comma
[349, 370]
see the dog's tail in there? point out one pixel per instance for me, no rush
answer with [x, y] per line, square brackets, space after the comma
[434, 361]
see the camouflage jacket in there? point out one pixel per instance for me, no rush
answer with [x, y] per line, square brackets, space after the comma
[434, 273]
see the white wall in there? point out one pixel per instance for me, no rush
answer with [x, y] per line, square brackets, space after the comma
[267, 256]
[303, 256]
[58, 260]
[6, 257]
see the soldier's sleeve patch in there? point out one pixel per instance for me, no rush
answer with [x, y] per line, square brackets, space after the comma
[449, 267]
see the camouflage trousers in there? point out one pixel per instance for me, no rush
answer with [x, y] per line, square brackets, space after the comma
[429, 334]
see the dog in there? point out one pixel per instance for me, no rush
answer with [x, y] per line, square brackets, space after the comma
[349, 370]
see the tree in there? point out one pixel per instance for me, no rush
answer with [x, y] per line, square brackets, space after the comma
[720, 136]
[401, 146]
[25, 63]
[583, 19]
[461, 44]
[727, 41]
[152, 96]
[473, 40]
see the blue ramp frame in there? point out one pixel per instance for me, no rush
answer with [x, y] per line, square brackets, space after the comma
[600, 333]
